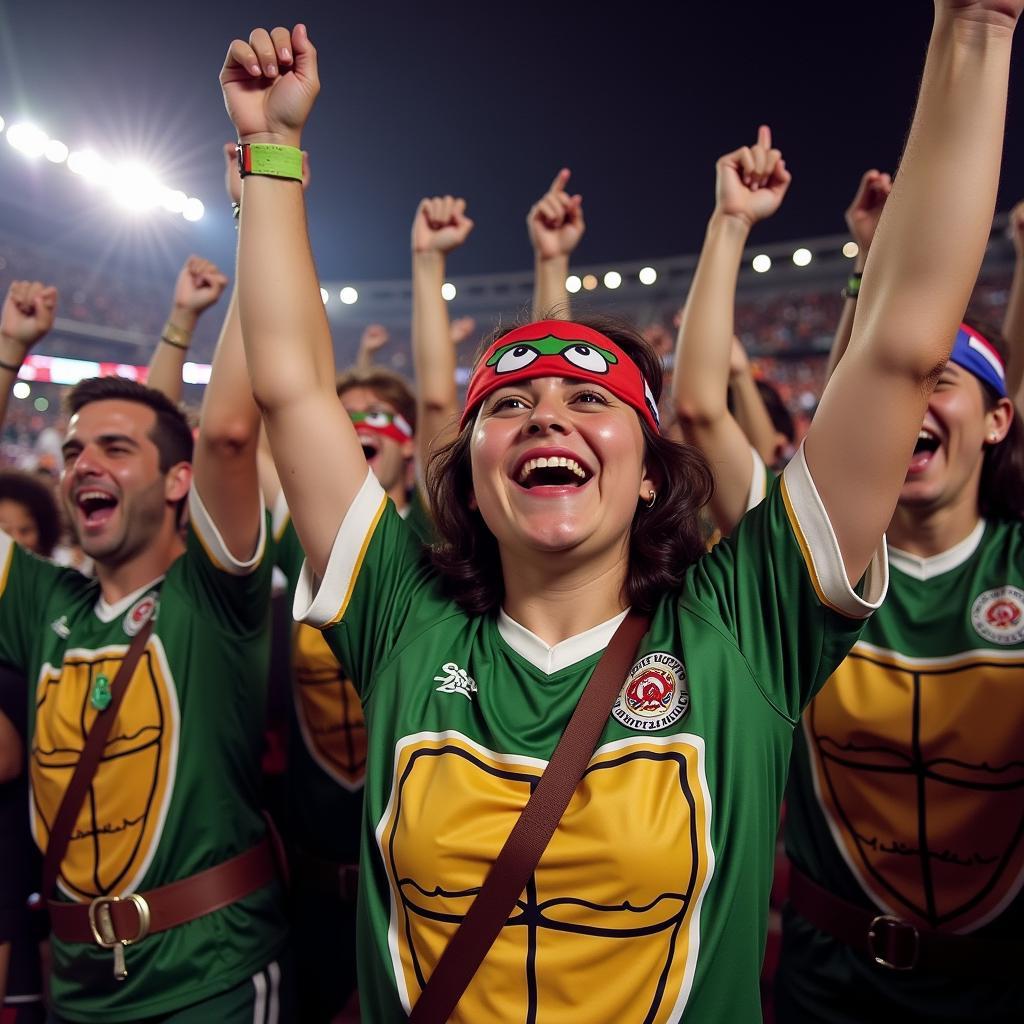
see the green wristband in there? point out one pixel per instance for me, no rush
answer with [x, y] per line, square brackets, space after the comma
[852, 289]
[270, 160]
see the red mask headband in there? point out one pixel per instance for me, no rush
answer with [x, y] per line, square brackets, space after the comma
[387, 424]
[560, 348]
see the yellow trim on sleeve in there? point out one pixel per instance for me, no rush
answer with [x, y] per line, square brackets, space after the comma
[805, 551]
[279, 532]
[7, 566]
[358, 565]
[211, 557]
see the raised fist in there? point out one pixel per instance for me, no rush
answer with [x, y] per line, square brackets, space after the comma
[28, 312]
[269, 85]
[863, 213]
[752, 181]
[233, 180]
[1001, 13]
[374, 337]
[440, 224]
[555, 222]
[200, 284]
[459, 330]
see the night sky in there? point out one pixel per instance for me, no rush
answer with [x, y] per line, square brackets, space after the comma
[483, 100]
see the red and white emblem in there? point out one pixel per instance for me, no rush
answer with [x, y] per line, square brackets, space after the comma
[654, 695]
[998, 615]
[139, 614]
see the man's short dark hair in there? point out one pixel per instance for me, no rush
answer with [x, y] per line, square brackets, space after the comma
[171, 433]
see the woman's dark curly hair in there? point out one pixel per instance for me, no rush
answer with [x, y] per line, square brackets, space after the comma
[663, 541]
[1001, 490]
[37, 499]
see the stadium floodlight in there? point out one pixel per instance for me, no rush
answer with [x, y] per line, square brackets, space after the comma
[324, 296]
[56, 152]
[173, 200]
[193, 209]
[21, 390]
[27, 139]
[89, 164]
[135, 187]
[589, 282]
[802, 257]
[612, 279]
[448, 291]
[850, 250]
[349, 295]
[573, 284]
[761, 263]
[648, 275]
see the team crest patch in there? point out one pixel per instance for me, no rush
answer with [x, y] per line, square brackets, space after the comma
[139, 614]
[654, 695]
[998, 615]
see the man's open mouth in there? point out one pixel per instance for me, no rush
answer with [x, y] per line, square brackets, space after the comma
[95, 506]
[370, 447]
[927, 445]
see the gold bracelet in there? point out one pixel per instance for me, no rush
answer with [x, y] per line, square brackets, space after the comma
[175, 335]
[173, 344]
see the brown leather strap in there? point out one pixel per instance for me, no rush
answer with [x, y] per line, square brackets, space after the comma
[174, 904]
[511, 871]
[88, 762]
[895, 944]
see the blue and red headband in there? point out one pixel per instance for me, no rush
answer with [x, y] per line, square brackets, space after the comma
[976, 354]
[560, 348]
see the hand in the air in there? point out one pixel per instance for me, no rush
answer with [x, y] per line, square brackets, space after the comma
[555, 222]
[752, 181]
[440, 224]
[200, 284]
[28, 312]
[863, 213]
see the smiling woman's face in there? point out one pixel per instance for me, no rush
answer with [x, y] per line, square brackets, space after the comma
[558, 465]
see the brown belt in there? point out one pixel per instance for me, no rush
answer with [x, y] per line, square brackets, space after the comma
[897, 944]
[121, 920]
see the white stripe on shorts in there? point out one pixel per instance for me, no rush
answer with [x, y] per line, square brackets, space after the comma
[259, 1005]
[274, 970]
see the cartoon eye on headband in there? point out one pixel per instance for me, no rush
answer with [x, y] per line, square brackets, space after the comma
[380, 420]
[589, 358]
[512, 358]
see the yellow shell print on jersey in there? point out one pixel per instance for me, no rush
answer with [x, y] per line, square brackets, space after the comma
[921, 780]
[607, 929]
[119, 825]
[328, 709]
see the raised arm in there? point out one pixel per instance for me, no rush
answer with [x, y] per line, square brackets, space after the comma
[555, 224]
[439, 227]
[1013, 321]
[200, 284]
[916, 284]
[748, 406]
[750, 184]
[26, 317]
[269, 86]
[862, 216]
[372, 340]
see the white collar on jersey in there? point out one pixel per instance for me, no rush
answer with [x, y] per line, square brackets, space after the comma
[563, 654]
[935, 565]
[108, 612]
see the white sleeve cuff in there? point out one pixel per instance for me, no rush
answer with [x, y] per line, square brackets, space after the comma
[324, 605]
[758, 481]
[279, 515]
[820, 548]
[213, 543]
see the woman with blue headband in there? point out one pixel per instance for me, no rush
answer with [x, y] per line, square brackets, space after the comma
[563, 514]
[906, 791]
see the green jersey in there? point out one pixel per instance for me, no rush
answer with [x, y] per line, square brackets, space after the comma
[907, 787]
[177, 789]
[327, 737]
[651, 899]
